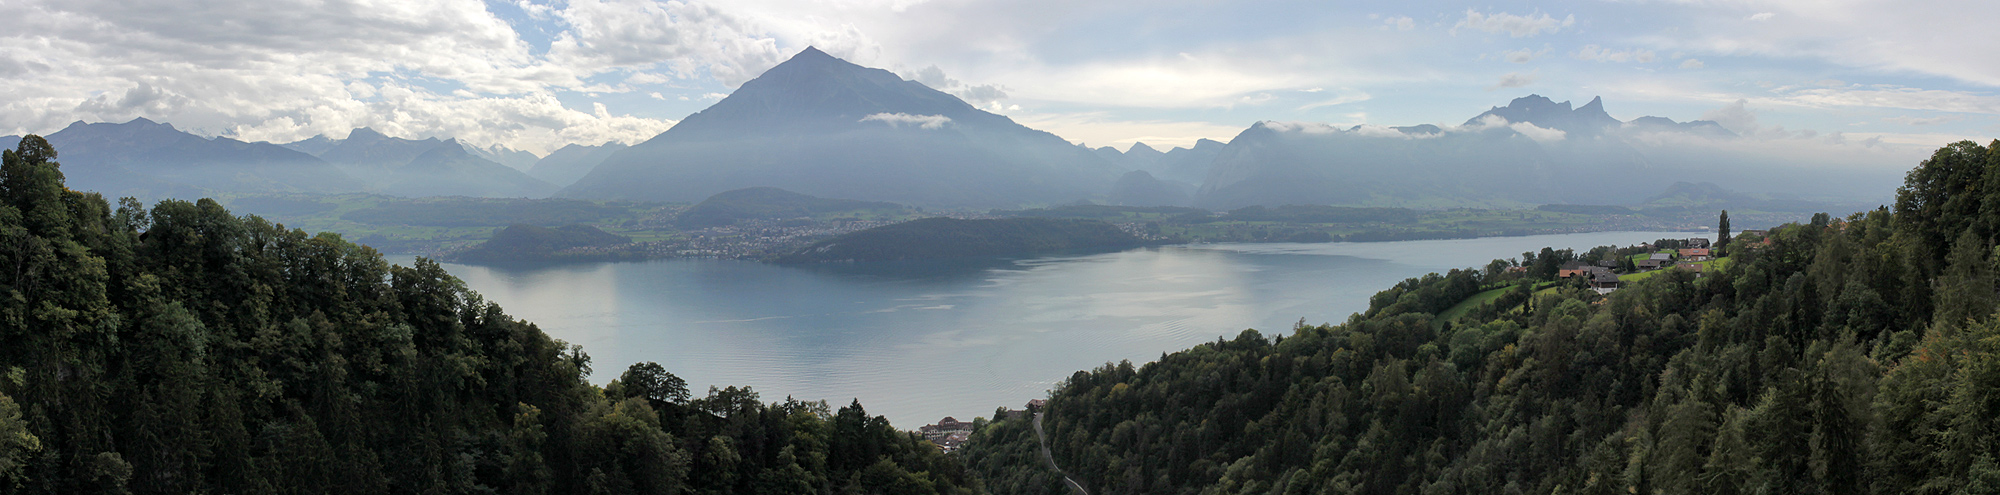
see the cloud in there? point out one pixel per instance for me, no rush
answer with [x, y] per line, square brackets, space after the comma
[1891, 96]
[1399, 23]
[899, 119]
[1761, 16]
[1513, 80]
[1518, 26]
[1523, 55]
[1922, 121]
[1346, 97]
[1594, 53]
[984, 95]
[1539, 134]
[1692, 64]
[1100, 128]
[1735, 116]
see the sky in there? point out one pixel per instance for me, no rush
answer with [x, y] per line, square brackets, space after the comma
[536, 75]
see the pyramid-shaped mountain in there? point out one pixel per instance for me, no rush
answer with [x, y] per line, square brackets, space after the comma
[822, 126]
[150, 159]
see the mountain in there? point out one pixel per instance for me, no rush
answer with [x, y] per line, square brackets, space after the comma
[819, 125]
[428, 167]
[943, 237]
[1530, 152]
[1189, 165]
[770, 203]
[1590, 119]
[314, 146]
[1139, 188]
[449, 170]
[564, 166]
[512, 158]
[146, 158]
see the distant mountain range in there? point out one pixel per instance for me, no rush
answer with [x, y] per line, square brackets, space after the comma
[427, 167]
[821, 126]
[825, 127]
[150, 159]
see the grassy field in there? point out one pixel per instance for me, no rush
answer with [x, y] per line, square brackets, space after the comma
[1710, 265]
[1470, 304]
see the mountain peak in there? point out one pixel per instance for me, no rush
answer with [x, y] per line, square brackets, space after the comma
[366, 134]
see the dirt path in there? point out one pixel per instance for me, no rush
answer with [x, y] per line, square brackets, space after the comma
[1052, 459]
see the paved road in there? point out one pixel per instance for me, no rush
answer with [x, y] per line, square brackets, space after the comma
[1052, 459]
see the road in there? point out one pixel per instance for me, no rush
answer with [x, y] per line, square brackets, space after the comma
[1052, 459]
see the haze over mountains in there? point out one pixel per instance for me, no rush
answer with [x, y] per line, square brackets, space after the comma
[822, 126]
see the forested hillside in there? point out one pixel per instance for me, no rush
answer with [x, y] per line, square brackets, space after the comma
[1844, 355]
[179, 349]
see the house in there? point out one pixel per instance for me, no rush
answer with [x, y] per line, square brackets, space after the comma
[1698, 242]
[1572, 269]
[1650, 264]
[1694, 254]
[1037, 404]
[1603, 281]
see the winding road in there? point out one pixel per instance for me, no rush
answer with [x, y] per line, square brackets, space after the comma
[1052, 459]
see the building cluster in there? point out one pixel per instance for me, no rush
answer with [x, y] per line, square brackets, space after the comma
[948, 433]
[1602, 277]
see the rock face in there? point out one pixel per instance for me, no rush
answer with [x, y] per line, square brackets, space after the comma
[145, 158]
[822, 126]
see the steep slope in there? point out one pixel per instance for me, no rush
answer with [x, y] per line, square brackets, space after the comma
[143, 157]
[1189, 165]
[564, 166]
[822, 126]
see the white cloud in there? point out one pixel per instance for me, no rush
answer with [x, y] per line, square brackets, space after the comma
[899, 119]
[1523, 55]
[1101, 128]
[1922, 121]
[1513, 80]
[1399, 23]
[1539, 134]
[1594, 53]
[1735, 116]
[1346, 97]
[1761, 16]
[1518, 26]
[1692, 64]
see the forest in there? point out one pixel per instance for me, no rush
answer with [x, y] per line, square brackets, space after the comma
[177, 348]
[1841, 355]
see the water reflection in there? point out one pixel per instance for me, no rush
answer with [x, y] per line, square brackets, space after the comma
[920, 340]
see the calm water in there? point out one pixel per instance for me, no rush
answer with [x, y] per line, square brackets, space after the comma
[920, 341]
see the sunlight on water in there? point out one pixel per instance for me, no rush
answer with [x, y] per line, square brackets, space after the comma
[917, 341]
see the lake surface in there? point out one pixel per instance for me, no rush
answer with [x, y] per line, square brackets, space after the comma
[917, 341]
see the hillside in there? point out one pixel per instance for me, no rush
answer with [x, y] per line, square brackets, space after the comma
[154, 160]
[941, 237]
[825, 127]
[180, 349]
[1839, 355]
[528, 243]
[770, 203]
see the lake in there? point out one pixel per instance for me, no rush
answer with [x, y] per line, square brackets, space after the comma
[917, 341]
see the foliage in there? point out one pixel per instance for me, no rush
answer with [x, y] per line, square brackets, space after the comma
[181, 349]
[1848, 355]
[522, 242]
[765, 203]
